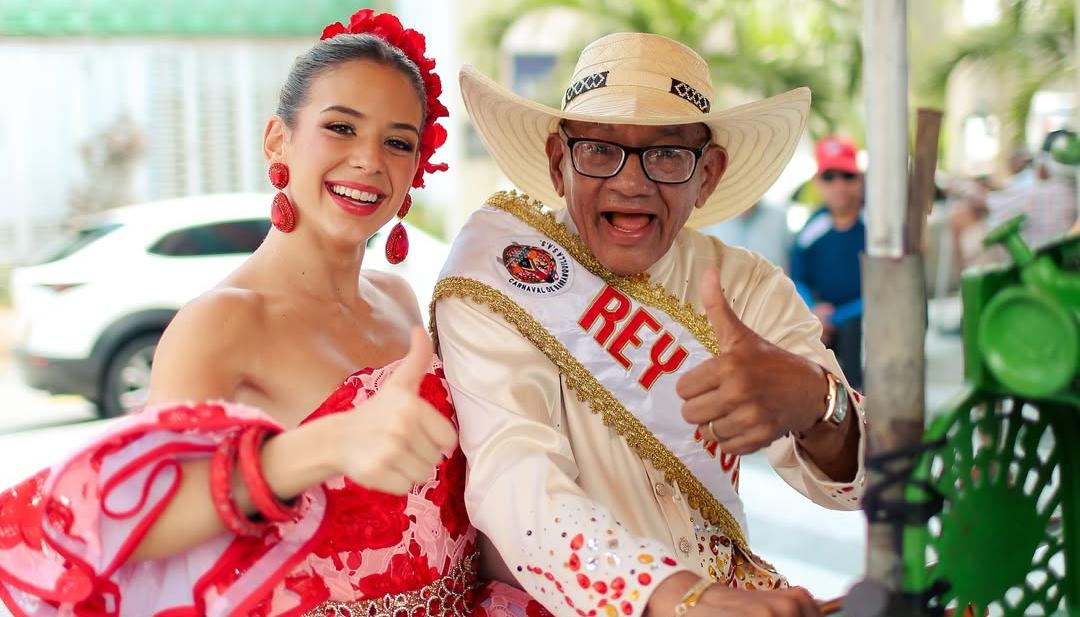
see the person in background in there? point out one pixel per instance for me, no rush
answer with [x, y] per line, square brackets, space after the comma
[1021, 169]
[825, 258]
[1049, 203]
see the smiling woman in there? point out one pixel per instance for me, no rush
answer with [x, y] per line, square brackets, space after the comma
[321, 475]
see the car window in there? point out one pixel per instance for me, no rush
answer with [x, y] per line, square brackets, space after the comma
[227, 238]
[72, 242]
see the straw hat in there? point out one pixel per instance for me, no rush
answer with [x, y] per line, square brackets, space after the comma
[645, 79]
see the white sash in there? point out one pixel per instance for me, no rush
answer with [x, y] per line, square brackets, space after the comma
[633, 349]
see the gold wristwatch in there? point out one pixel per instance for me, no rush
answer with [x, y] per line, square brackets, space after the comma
[837, 401]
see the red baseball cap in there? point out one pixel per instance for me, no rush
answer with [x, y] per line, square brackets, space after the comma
[836, 153]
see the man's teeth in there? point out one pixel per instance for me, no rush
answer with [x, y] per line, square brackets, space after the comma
[354, 194]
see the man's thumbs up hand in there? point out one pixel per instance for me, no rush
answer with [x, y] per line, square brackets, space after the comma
[729, 329]
[752, 392]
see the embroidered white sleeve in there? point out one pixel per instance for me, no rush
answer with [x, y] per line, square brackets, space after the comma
[802, 474]
[564, 549]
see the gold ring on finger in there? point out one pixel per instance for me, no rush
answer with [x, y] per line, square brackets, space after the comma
[708, 428]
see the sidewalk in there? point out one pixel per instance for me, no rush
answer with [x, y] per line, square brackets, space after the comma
[944, 353]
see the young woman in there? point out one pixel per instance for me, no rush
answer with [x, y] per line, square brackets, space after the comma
[303, 486]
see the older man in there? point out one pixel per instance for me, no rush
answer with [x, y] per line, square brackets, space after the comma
[610, 365]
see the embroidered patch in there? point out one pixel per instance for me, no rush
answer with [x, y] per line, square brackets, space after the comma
[686, 91]
[585, 84]
[540, 270]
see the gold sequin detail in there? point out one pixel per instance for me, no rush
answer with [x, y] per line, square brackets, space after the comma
[444, 597]
[599, 399]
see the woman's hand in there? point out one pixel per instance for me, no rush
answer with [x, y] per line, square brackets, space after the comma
[395, 439]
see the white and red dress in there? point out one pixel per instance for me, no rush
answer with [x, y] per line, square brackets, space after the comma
[66, 533]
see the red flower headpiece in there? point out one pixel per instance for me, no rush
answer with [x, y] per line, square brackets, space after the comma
[388, 28]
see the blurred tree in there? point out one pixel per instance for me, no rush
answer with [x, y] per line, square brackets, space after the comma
[1030, 47]
[109, 157]
[752, 53]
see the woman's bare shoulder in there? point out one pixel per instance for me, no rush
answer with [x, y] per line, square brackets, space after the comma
[230, 312]
[204, 351]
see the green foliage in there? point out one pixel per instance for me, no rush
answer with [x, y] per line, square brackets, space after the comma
[1032, 44]
[428, 218]
[751, 52]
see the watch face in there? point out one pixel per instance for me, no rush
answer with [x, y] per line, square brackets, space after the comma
[840, 410]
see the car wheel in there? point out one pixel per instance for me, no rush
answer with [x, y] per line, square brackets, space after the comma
[127, 378]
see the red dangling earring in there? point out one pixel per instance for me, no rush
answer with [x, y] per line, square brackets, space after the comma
[397, 243]
[282, 212]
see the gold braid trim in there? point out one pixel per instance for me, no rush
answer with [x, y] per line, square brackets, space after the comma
[600, 400]
[530, 212]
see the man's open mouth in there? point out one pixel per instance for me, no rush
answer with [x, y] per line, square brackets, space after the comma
[628, 221]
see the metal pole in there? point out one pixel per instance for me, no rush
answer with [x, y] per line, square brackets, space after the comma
[886, 85]
[894, 293]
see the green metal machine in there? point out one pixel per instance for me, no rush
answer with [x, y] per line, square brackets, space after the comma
[992, 505]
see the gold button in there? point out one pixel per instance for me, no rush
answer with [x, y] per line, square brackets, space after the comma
[661, 489]
[684, 545]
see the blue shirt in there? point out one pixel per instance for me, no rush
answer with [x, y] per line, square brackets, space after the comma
[825, 265]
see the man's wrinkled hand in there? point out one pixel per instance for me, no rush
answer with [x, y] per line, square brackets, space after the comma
[719, 601]
[752, 392]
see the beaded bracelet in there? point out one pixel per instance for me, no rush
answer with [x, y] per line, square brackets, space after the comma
[222, 464]
[250, 459]
[690, 599]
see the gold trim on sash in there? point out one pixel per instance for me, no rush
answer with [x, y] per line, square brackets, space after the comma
[599, 399]
[637, 287]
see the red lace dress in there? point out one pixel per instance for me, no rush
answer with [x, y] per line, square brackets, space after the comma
[66, 533]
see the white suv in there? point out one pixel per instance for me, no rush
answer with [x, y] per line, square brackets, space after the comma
[89, 315]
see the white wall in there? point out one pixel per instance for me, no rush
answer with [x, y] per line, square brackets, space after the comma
[200, 105]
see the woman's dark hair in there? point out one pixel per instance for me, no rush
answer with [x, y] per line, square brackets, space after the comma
[328, 54]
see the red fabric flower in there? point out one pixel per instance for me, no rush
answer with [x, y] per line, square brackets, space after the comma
[310, 588]
[433, 391]
[332, 30]
[203, 415]
[449, 495]
[387, 27]
[535, 609]
[21, 509]
[338, 401]
[344, 398]
[359, 518]
[406, 572]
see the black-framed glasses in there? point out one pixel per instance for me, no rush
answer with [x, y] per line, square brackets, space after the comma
[830, 175]
[665, 164]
